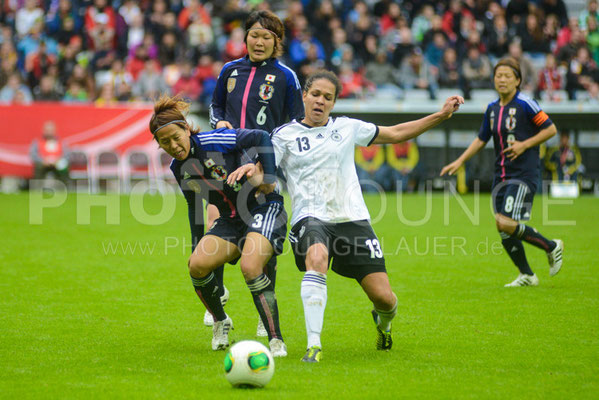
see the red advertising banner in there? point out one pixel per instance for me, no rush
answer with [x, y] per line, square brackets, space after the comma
[80, 127]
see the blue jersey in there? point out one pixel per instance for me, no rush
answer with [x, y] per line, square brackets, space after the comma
[212, 156]
[518, 120]
[256, 95]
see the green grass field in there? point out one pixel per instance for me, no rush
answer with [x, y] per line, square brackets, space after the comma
[84, 316]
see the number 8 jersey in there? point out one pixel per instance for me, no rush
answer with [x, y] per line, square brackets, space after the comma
[318, 165]
[518, 120]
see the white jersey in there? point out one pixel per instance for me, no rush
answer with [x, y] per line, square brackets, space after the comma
[319, 166]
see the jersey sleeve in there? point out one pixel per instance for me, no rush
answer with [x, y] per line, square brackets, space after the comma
[293, 99]
[536, 115]
[484, 133]
[364, 132]
[278, 145]
[219, 100]
[260, 141]
[222, 140]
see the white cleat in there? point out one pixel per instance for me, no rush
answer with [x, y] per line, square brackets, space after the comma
[555, 257]
[208, 321]
[278, 348]
[220, 334]
[524, 280]
[261, 330]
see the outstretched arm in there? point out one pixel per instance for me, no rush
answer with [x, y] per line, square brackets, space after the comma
[516, 148]
[409, 130]
[474, 148]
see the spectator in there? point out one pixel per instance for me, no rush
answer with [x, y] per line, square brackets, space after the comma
[582, 73]
[529, 73]
[434, 51]
[170, 49]
[533, 39]
[567, 52]
[516, 11]
[389, 18]
[402, 48]
[477, 71]
[27, 16]
[416, 73]
[107, 96]
[452, 19]
[436, 26]
[150, 84]
[557, 8]
[299, 45]
[449, 70]
[116, 76]
[64, 22]
[591, 11]
[354, 85]
[136, 32]
[100, 24]
[85, 82]
[563, 161]
[76, 93]
[49, 155]
[498, 37]
[550, 81]
[47, 91]
[187, 85]
[382, 74]
[593, 38]
[194, 13]
[235, 46]
[422, 23]
[15, 90]
[130, 11]
[325, 19]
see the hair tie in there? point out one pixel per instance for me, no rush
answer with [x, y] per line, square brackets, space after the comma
[266, 29]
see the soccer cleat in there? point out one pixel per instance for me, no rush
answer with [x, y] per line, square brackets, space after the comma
[260, 329]
[555, 257]
[208, 321]
[313, 355]
[278, 348]
[524, 280]
[220, 334]
[384, 339]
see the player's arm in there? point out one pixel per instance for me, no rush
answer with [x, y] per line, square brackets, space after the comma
[195, 211]
[260, 141]
[409, 130]
[476, 145]
[218, 104]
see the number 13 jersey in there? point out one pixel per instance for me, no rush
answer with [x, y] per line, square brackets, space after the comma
[318, 164]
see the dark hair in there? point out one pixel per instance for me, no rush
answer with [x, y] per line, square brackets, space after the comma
[513, 64]
[168, 109]
[269, 21]
[324, 74]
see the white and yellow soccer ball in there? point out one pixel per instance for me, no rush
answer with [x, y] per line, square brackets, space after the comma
[249, 364]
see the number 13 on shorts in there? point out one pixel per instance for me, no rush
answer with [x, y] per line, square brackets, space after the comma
[375, 248]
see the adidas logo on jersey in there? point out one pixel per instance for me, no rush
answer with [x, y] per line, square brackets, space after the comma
[234, 73]
[186, 175]
[320, 136]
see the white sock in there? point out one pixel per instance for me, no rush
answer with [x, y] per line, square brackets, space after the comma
[314, 297]
[385, 317]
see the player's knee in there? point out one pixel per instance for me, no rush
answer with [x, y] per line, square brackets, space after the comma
[317, 261]
[502, 226]
[196, 267]
[384, 299]
[249, 269]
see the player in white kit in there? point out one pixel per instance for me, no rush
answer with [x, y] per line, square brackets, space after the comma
[329, 217]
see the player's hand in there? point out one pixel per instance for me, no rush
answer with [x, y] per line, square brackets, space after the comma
[224, 124]
[515, 149]
[451, 168]
[253, 172]
[265, 188]
[452, 104]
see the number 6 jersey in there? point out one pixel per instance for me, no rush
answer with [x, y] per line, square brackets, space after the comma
[318, 165]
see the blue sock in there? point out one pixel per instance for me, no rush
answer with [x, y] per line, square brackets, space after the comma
[515, 250]
[532, 236]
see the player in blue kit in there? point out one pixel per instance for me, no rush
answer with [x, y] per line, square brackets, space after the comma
[518, 126]
[250, 228]
[256, 92]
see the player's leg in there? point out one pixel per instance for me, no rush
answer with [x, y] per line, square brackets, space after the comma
[256, 252]
[376, 286]
[263, 241]
[309, 238]
[212, 215]
[211, 252]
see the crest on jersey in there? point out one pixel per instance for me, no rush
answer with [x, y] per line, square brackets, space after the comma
[209, 163]
[510, 121]
[231, 84]
[219, 173]
[336, 136]
[270, 77]
[266, 91]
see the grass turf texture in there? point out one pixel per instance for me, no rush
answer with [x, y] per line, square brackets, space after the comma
[78, 319]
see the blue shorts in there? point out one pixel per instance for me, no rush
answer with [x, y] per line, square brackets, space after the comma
[513, 198]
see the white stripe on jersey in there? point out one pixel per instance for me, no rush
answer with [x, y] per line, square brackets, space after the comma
[297, 84]
[533, 104]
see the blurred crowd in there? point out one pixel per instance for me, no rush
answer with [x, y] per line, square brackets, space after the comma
[107, 51]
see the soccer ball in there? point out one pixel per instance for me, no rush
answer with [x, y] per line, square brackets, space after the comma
[249, 364]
